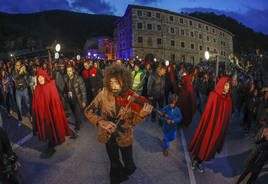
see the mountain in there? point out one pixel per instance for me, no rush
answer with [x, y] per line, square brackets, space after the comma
[38, 30]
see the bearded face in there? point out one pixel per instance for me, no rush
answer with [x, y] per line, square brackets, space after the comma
[115, 86]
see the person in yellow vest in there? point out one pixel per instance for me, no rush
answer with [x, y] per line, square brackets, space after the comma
[137, 76]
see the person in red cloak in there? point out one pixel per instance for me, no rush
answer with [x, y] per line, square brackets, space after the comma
[186, 102]
[49, 119]
[212, 129]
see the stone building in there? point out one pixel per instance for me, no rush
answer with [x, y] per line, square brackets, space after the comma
[107, 47]
[155, 33]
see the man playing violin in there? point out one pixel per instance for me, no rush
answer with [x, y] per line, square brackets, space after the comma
[116, 121]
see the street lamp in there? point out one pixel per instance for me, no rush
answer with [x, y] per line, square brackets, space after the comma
[57, 55]
[208, 55]
[78, 57]
[167, 62]
[58, 47]
[155, 59]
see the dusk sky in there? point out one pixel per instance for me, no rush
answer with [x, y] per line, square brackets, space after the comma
[253, 14]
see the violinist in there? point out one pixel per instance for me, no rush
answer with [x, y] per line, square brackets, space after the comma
[115, 120]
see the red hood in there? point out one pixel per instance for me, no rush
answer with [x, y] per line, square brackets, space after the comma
[220, 85]
[41, 72]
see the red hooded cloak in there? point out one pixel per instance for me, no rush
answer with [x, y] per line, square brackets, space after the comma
[49, 119]
[211, 132]
[186, 101]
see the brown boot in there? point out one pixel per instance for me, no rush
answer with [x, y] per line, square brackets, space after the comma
[165, 152]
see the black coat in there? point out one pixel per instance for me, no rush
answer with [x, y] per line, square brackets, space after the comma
[156, 85]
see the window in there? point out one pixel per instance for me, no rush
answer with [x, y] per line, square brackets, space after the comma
[215, 50]
[139, 25]
[200, 36]
[213, 30]
[192, 46]
[159, 41]
[191, 23]
[172, 30]
[171, 18]
[149, 14]
[140, 39]
[172, 42]
[158, 27]
[139, 13]
[207, 38]
[158, 15]
[214, 40]
[181, 20]
[182, 31]
[192, 34]
[207, 28]
[150, 42]
[183, 59]
[172, 56]
[200, 47]
[149, 26]
[199, 25]
[192, 60]
[223, 34]
[182, 44]
[207, 48]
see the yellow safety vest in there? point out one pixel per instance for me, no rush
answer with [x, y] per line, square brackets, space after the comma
[136, 81]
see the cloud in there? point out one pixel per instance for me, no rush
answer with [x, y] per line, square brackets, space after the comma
[93, 6]
[253, 18]
[30, 6]
[146, 1]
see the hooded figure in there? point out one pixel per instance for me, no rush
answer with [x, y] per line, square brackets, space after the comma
[211, 132]
[186, 102]
[49, 119]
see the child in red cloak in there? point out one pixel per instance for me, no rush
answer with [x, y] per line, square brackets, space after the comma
[49, 119]
[186, 102]
[211, 132]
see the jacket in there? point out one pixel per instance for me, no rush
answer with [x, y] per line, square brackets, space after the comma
[78, 88]
[103, 107]
[156, 85]
[20, 80]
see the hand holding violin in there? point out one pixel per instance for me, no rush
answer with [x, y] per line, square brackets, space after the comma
[147, 109]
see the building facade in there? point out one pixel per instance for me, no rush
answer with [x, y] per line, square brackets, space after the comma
[155, 33]
[107, 47]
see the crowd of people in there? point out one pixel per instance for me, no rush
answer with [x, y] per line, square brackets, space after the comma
[53, 90]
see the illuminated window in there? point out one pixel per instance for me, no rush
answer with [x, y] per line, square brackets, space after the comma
[140, 39]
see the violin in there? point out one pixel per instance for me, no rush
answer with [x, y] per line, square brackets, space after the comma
[131, 99]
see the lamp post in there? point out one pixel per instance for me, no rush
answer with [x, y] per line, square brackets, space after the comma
[208, 55]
